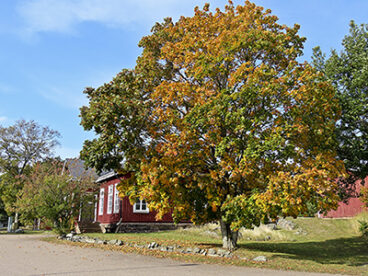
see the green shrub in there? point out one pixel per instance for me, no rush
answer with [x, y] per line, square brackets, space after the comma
[363, 228]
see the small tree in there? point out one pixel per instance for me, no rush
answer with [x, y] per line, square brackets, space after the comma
[21, 145]
[219, 121]
[52, 194]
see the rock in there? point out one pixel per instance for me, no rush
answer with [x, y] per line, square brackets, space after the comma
[119, 242]
[267, 238]
[61, 237]
[285, 224]
[203, 252]
[98, 241]
[260, 259]
[112, 242]
[153, 245]
[89, 240]
[189, 250]
[211, 252]
[222, 252]
[196, 250]
[19, 231]
[69, 236]
[75, 239]
[170, 248]
[163, 248]
[271, 226]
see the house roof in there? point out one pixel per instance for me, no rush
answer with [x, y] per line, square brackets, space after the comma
[78, 170]
[107, 176]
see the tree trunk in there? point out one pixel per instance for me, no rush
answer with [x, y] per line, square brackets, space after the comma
[16, 222]
[229, 237]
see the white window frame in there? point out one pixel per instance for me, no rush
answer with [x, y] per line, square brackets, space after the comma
[116, 200]
[137, 207]
[95, 211]
[101, 202]
[110, 196]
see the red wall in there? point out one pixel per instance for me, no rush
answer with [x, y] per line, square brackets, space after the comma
[126, 209]
[353, 207]
[107, 218]
[130, 216]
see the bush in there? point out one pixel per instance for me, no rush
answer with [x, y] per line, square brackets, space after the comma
[364, 195]
[363, 228]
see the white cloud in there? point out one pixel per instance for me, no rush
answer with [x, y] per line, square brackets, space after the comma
[64, 15]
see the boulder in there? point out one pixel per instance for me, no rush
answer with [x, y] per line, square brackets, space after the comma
[89, 240]
[196, 250]
[285, 224]
[260, 259]
[70, 236]
[119, 242]
[112, 242]
[211, 252]
[19, 231]
[189, 250]
[223, 253]
[271, 226]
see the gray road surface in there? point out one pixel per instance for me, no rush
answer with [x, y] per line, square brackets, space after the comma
[27, 255]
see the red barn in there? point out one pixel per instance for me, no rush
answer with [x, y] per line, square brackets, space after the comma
[115, 213]
[352, 207]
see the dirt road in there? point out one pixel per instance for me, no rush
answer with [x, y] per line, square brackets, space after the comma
[28, 255]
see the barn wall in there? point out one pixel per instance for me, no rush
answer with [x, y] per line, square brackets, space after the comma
[126, 210]
[130, 216]
[107, 218]
[353, 207]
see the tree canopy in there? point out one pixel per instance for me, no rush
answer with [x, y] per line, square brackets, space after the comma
[219, 121]
[53, 193]
[22, 145]
[348, 72]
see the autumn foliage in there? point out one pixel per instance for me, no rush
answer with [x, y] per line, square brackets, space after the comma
[219, 121]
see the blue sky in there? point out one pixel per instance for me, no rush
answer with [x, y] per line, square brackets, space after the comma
[51, 49]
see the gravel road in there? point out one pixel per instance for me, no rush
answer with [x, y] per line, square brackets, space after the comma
[28, 255]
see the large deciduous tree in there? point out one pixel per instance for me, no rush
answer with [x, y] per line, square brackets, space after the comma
[219, 121]
[348, 72]
[21, 145]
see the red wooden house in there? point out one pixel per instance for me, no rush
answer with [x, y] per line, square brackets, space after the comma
[352, 207]
[113, 212]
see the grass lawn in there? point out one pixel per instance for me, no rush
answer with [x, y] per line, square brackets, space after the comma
[316, 245]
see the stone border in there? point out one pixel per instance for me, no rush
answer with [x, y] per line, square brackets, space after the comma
[212, 252]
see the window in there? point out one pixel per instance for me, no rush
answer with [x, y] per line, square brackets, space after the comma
[116, 199]
[101, 204]
[109, 199]
[95, 213]
[140, 207]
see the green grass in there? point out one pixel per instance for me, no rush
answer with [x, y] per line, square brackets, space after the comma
[316, 245]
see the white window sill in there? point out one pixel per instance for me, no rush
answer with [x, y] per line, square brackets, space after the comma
[141, 211]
